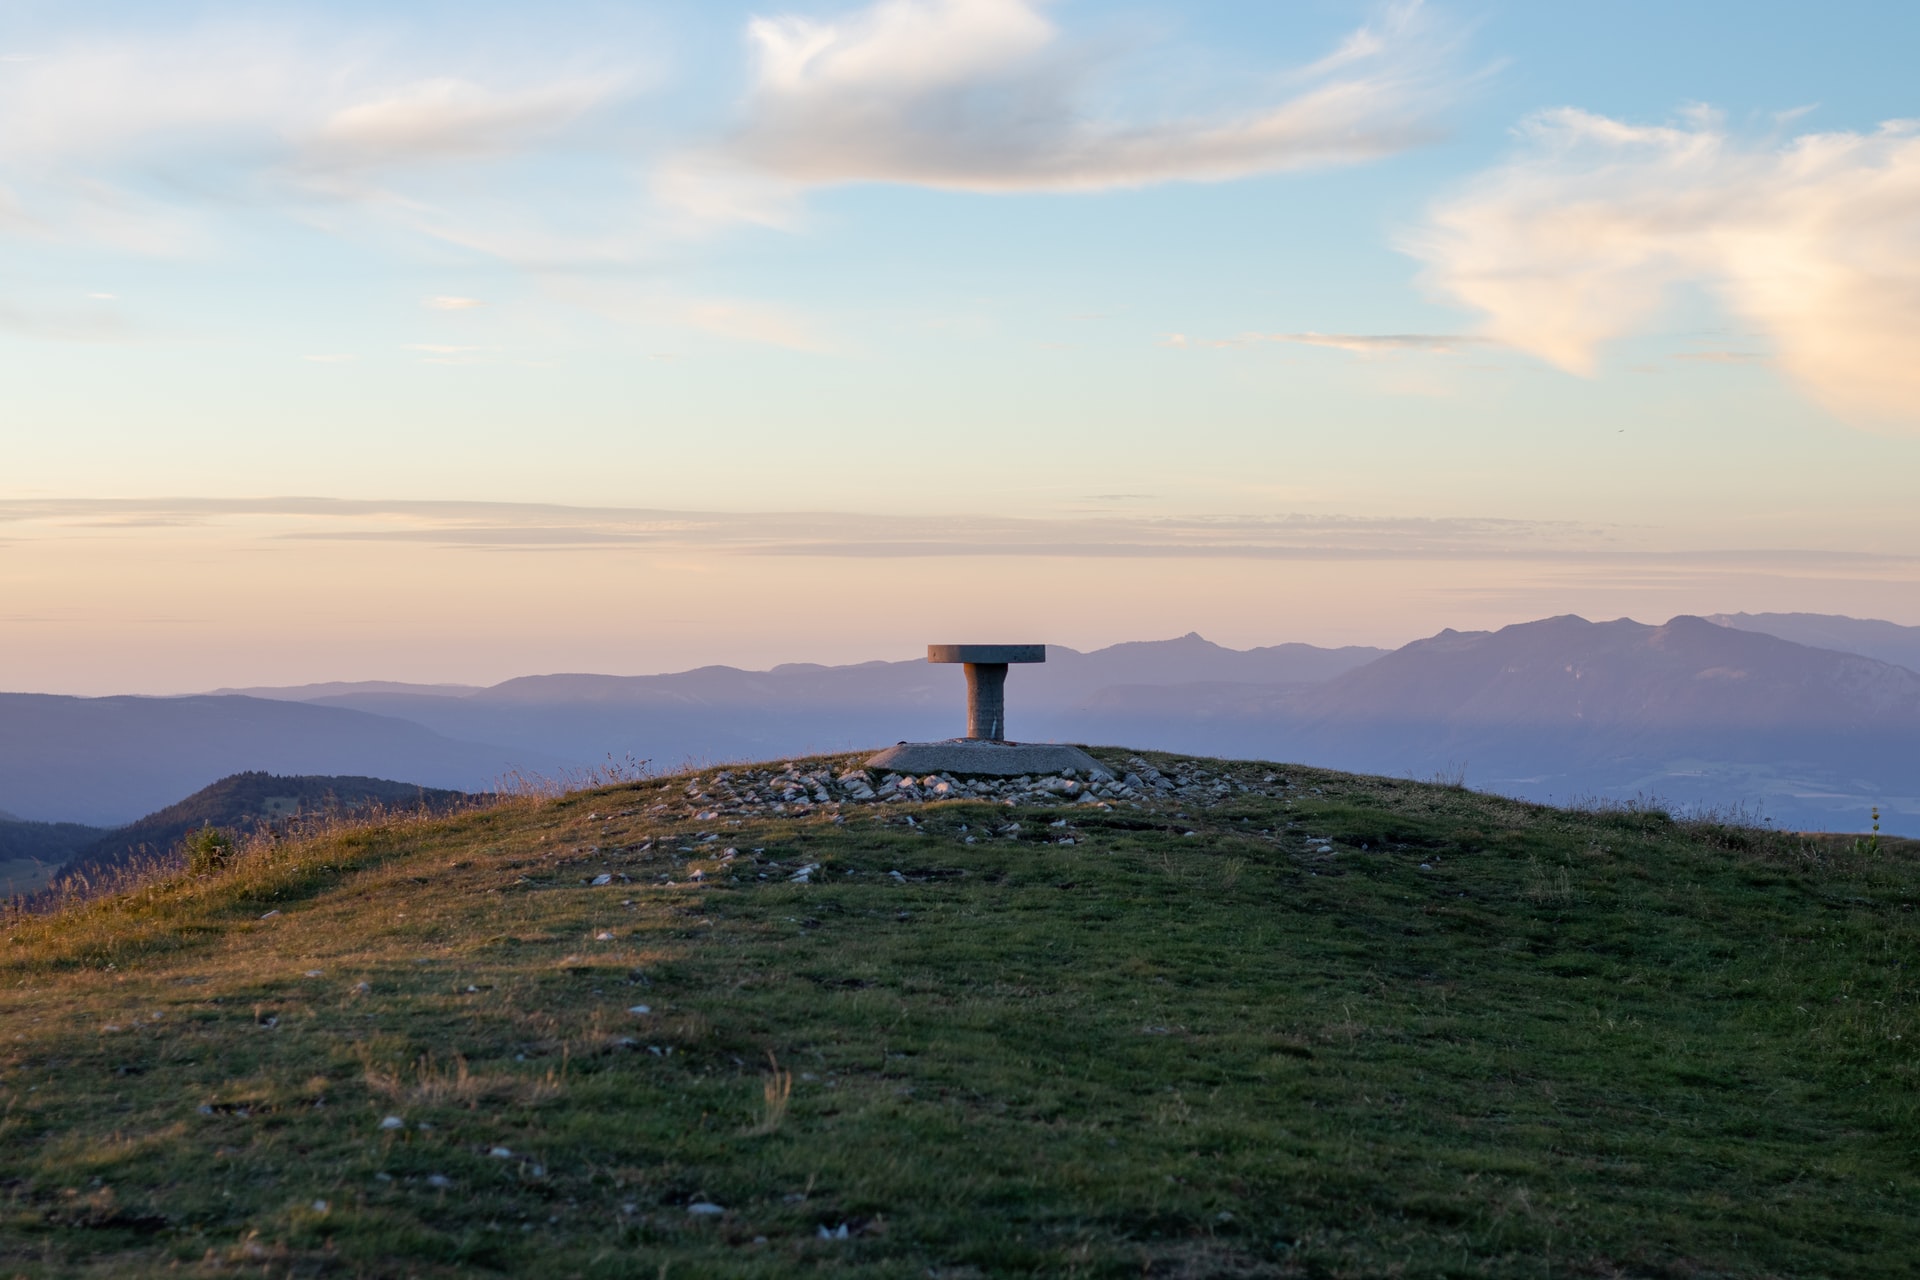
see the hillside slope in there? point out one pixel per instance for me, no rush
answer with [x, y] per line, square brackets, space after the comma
[1243, 1020]
[244, 802]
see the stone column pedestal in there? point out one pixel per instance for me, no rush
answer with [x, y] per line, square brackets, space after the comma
[987, 701]
[987, 681]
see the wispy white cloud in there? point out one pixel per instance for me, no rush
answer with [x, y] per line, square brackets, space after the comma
[260, 94]
[261, 117]
[452, 353]
[76, 208]
[1722, 357]
[93, 323]
[1357, 343]
[100, 97]
[734, 319]
[446, 118]
[1378, 343]
[13, 215]
[990, 95]
[1813, 242]
[154, 144]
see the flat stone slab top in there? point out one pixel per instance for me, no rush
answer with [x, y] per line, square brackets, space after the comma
[978, 758]
[1001, 653]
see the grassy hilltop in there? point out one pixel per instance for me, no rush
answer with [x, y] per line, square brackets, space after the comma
[1276, 1022]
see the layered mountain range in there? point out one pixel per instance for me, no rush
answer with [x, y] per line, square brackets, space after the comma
[1724, 712]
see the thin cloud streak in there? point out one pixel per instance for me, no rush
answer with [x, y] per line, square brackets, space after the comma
[1814, 243]
[93, 324]
[531, 527]
[447, 119]
[1357, 343]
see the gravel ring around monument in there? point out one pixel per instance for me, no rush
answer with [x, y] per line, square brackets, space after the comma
[972, 757]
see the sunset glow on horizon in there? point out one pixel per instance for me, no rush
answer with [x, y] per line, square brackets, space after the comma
[451, 344]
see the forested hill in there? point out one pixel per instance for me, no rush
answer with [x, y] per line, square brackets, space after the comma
[247, 801]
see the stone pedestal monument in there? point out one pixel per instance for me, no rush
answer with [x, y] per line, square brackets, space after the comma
[985, 750]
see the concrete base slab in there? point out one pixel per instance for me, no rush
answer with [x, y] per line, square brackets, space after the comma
[982, 758]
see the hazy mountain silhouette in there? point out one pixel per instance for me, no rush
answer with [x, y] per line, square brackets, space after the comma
[724, 713]
[106, 761]
[1065, 677]
[1869, 637]
[1684, 676]
[1690, 711]
[337, 688]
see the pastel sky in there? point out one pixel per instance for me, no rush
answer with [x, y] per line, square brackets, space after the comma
[443, 341]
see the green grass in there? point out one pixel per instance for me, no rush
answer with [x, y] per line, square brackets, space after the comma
[1590, 1044]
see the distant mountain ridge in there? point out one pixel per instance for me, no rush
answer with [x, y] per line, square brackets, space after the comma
[1687, 674]
[1694, 710]
[725, 713]
[1869, 637]
[1689, 711]
[1066, 676]
[107, 761]
[340, 688]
